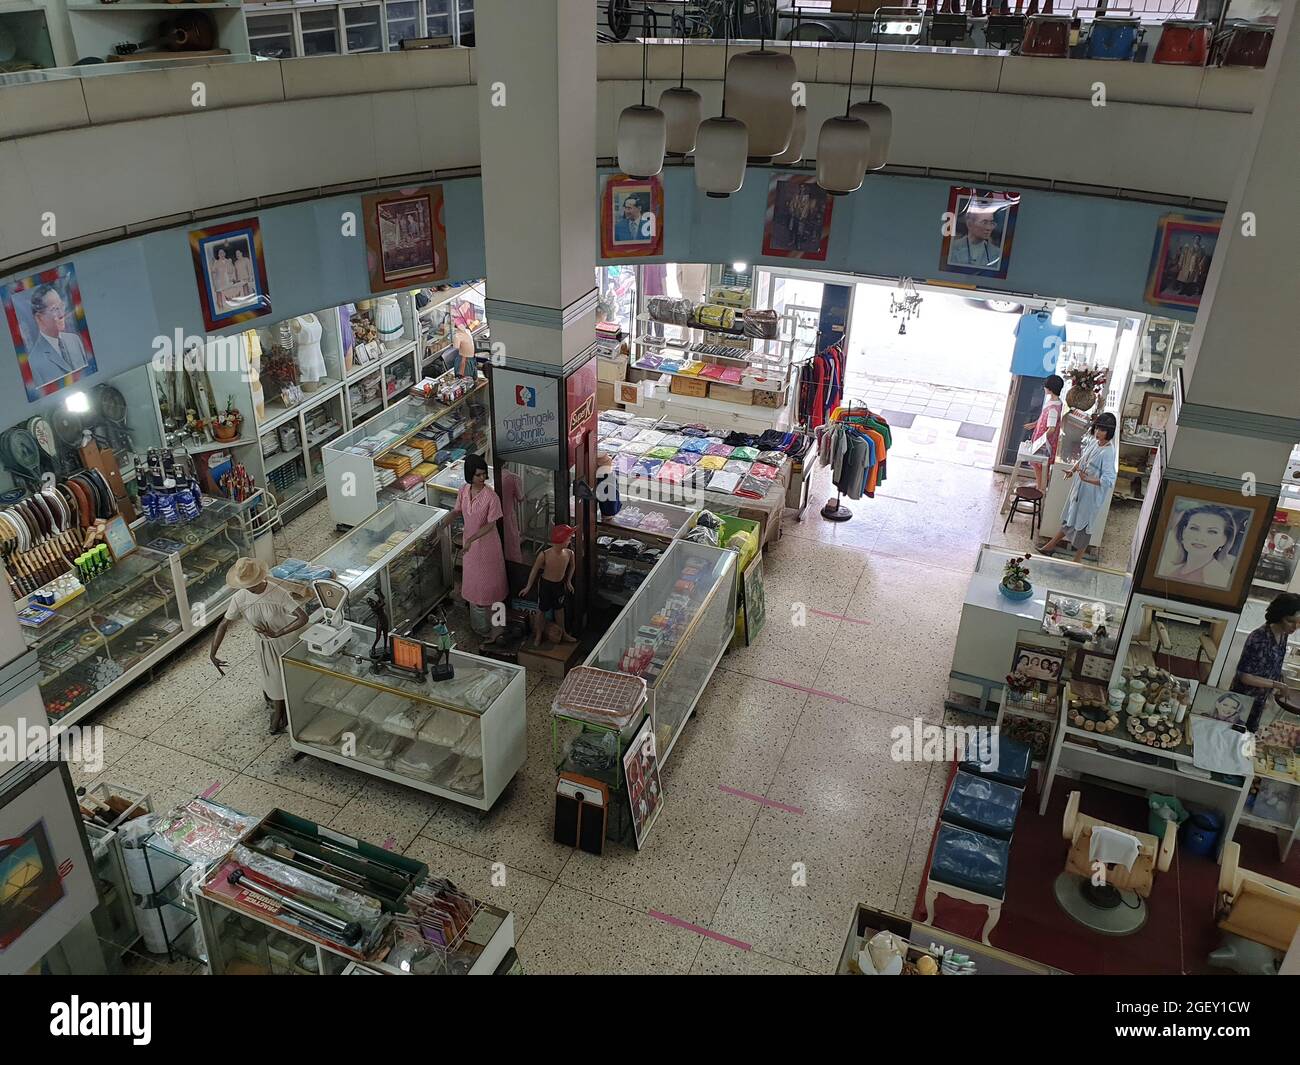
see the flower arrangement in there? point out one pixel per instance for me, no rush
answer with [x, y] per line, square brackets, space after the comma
[226, 425]
[1086, 385]
[1015, 574]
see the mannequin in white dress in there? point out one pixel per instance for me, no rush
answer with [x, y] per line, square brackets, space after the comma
[311, 362]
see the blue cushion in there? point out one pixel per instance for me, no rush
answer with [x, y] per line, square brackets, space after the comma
[1005, 760]
[970, 860]
[983, 805]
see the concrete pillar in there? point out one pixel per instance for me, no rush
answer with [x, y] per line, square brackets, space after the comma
[535, 66]
[1238, 413]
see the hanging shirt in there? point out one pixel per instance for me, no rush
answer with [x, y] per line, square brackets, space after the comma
[1038, 345]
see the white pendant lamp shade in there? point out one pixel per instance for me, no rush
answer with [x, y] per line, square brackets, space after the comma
[720, 150]
[641, 141]
[842, 149]
[798, 138]
[881, 121]
[760, 90]
[683, 109]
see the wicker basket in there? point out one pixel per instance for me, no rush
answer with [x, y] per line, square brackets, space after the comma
[1080, 398]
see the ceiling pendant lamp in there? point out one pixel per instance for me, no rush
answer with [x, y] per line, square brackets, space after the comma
[683, 108]
[799, 132]
[721, 146]
[762, 97]
[878, 117]
[641, 134]
[844, 143]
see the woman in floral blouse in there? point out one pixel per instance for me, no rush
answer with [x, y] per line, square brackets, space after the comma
[1259, 673]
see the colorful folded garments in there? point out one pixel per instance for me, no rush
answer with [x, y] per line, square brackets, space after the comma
[730, 375]
[635, 447]
[749, 454]
[647, 467]
[692, 369]
[712, 462]
[722, 481]
[625, 464]
[650, 437]
[696, 444]
[734, 466]
[762, 469]
[672, 440]
[661, 452]
[673, 472]
[752, 487]
[650, 362]
[627, 432]
[772, 458]
[687, 458]
[720, 450]
[694, 430]
[668, 366]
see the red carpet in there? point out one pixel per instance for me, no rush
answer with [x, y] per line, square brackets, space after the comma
[1179, 932]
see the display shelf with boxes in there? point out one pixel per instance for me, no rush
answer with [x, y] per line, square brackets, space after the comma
[439, 313]
[295, 898]
[990, 621]
[403, 551]
[200, 553]
[673, 632]
[125, 621]
[394, 454]
[462, 738]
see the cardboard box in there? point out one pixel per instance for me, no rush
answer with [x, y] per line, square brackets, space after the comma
[612, 369]
[604, 395]
[689, 386]
[732, 394]
[771, 400]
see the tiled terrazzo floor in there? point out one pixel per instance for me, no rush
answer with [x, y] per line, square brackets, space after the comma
[801, 719]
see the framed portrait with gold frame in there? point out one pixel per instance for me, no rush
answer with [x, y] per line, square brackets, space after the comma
[406, 238]
[1204, 544]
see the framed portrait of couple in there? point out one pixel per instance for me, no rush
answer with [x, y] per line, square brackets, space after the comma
[979, 227]
[631, 217]
[1204, 544]
[231, 273]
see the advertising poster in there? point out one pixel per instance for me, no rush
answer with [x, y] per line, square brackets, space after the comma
[526, 417]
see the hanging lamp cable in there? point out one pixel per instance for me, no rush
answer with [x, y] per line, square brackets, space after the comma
[645, 54]
[848, 99]
[726, 48]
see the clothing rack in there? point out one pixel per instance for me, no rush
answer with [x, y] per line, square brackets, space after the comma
[838, 511]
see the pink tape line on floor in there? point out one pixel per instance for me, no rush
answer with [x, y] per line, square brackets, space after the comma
[669, 919]
[809, 691]
[211, 790]
[759, 799]
[839, 617]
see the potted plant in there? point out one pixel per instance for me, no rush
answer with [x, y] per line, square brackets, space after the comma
[226, 425]
[1015, 579]
[1085, 387]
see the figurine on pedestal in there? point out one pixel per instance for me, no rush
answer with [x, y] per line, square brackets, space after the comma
[441, 668]
[380, 649]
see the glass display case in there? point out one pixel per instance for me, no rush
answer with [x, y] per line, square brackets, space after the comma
[462, 739]
[200, 553]
[93, 645]
[405, 552]
[630, 543]
[1093, 623]
[394, 454]
[673, 632]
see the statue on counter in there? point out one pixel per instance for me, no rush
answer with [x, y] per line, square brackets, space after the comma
[380, 650]
[441, 668]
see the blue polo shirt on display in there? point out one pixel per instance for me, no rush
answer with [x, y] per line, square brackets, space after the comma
[1038, 345]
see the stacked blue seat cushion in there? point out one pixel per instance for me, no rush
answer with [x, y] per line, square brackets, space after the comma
[970, 860]
[1005, 760]
[982, 805]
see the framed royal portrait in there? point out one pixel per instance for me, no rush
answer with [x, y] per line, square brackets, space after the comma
[1204, 544]
[631, 217]
[1180, 260]
[406, 237]
[231, 273]
[798, 220]
[978, 230]
[47, 324]
[1157, 408]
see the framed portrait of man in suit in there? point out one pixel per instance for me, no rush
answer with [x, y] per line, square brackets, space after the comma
[48, 325]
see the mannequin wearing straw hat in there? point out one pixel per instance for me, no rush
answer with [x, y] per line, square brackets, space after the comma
[276, 619]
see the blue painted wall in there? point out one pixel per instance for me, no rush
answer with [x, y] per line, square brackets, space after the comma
[1084, 248]
[1088, 249]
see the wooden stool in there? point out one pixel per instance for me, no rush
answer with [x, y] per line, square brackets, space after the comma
[1025, 494]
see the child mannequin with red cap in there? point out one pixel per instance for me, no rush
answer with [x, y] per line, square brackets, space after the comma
[554, 567]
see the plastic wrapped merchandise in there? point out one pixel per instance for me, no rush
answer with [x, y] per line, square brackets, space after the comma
[715, 316]
[761, 324]
[669, 310]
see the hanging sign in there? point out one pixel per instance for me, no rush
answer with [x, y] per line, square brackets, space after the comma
[526, 418]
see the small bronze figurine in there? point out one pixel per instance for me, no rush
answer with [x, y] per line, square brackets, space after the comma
[441, 668]
[380, 651]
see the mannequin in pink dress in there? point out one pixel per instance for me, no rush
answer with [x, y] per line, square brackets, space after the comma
[483, 566]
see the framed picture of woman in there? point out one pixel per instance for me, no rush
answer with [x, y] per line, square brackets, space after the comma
[231, 273]
[631, 217]
[1204, 544]
[406, 238]
[1156, 409]
[977, 231]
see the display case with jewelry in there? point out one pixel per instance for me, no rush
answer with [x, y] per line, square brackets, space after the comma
[461, 737]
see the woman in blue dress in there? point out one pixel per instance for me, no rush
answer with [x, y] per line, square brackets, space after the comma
[1094, 476]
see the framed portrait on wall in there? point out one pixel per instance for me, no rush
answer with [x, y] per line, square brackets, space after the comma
[978, 231]
[1180, 260]
[48, 325]
[798, 220]
[1156, 410]
[1204, 544]
[231, 273]
[406, 238]
[631, 217]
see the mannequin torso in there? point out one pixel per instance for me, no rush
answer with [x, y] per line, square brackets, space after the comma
[311, 362]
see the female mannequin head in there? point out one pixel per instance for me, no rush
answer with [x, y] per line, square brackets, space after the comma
[1103, 427]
